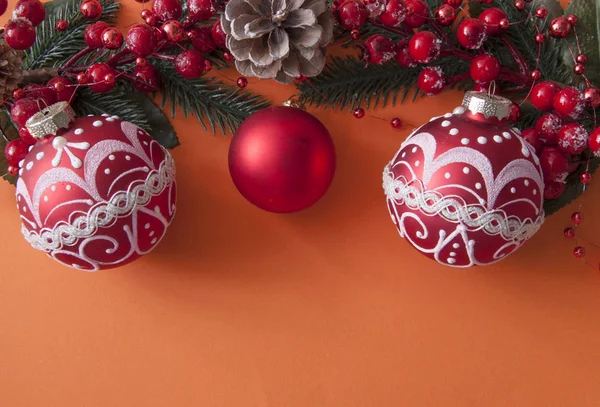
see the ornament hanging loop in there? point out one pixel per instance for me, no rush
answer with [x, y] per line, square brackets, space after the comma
[492, 88]
[294, 102]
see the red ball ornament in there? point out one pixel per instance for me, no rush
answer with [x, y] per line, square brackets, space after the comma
[147, 78]
[591, 96]
[417, 13]
[218, 35]
[424, 47]
[93, 34]
[572, 18]
[201, 10]
[91, 9]
[23, 109]
[99, 195]
[485, 68]
[172, 30]
[560, 27]
[569, 103]
[202, 40]
[520, 5]
[359, 113]
[579, 69]
[63, 88]
[540, 38]
[19, 34]
[581, 59]
[141, 40]
[577, 218]
[555, 164]
[15, 151]
[569, 232]
[445, 15]
[471, 33]
[377, 49]
[403, 55]
[145, 13]
[536, 75]
[585, 178]
[96, 77]
[353, 14]
[573, 138]
[542, 95]
[493, 18]
[394, 13]
[62, 25]
[282, 159]
[189, 64]
[32, 10]
[579, 252]
[485, 177]
[541, 12]
[547, 127]
[165, 10]
[112, 38]
[431, 80]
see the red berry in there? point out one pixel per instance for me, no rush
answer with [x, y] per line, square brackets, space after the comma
[15, 151]
[403, 56]
[201, 10]
[148, 78]
[394, 13]
[542, 95]
[139, 61]
[504, 24]
[577, 218]
[445, 15]
[12, 170]
[547, 127]
[355, 34]
[569, 232]
[26, 136]
[536, 75]
[579, 252]
[482, 87]
[520, 5]
[146, 13]
[493, 18]
[560, 27]
[532, 137]
[591, 96]
[202, 40]
[553, 189]
[485, 68]
[424, 47]
[19, 34]
[515, 113]
[91, 9]
[93, 34]
[396, 123]
[151, 21]
[110, 79]
[45, 95]
[167, 9]
[207, 65]
[569, 102]
[112, 38]
[541, 12]
[417, 13]
[581, 59]
[378, 49]
[471, 33]
[431, 80]
[172, 30]
[594, 142]
[96, 76]
[359, 113]
[540, 38]
[242, 82]
[141, 40]
[62, 25]
[353, 14]
[573, 138]
[585, 178]
[23, 109]
[18, 94]
[454, 3]
[82, 78]
[572, 18]
[32, 10]
[218, 35]
[227, 56]
[554, 163]
[579, 69]
[190, 64]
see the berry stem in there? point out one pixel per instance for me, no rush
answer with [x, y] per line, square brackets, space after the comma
[115, 59]
[395, 30]
[516, 55]
[77, 57]
[165, 57]
[458, 78]
[439, 31]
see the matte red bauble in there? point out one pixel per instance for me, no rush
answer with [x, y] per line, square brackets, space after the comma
[465, 189]
[282, 159]
[99, 195]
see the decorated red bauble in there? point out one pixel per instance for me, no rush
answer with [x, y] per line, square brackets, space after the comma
[471, 33]
[445, 15]
[141, 40]
[555, 164]
[594, 142]
[542, 95]
[282, 159]
[465, 189]
[493, 18]
[91, 9]
[352, 14]
[547, 127]
[377, 49]
[484, 68]
[394, 13]
[167, 9]
[19, 34]
[431, 80]
[569, 102]
[32, 10]
[573, 138]
[591, 96]
[560, 27]
[98, 195]
[417, 13]
[424, 47]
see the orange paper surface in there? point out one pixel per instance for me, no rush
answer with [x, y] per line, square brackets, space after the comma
[325, 308]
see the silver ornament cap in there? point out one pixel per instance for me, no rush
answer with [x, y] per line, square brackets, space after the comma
[487, 104]
[50, 119]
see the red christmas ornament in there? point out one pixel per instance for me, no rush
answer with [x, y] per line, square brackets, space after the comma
[189, 64]
[353, 14]
[485, 68]
[165, 10]
[492, 18]
[96, 77]
[62, 25]
[91, 9]
[112, 38]
[19, 34]
[147, 78]
[93, 34]
[465, 189]
[403, 55]
[471, 33]
[542, 95]
[394, 13]
[377, 49]
[547, 127]
[577, 218]
[359, 113]
[555, 164]
[32, 10]
[573, 138]
[417, 13]
[560, 27]
[201, 10]
[99, 195]
[172, 30]
[445, 15]
[424, 47]
[63, 88]
[282, 159]
[569, 102]
[141, 40]
[431, 80]
[579, 252]
[15, 151]
[202, 40]
[532, 137]
[569, 232]
[218, 35]
[585, 178]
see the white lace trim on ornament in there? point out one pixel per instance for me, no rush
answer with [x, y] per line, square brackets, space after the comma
[431, 203]
[104, 214]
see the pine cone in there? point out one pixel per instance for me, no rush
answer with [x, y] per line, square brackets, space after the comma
[10, 69]
[278, 39]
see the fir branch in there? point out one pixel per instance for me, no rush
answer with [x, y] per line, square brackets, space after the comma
[52, 48]
[573, 189]
[224, 107]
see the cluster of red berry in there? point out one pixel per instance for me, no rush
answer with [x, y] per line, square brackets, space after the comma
[192, 37]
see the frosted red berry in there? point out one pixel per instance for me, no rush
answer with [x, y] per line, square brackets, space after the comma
[403, 56]
[378, 49]
[594, 142]
[569, 102]
[548, 126]
[19, 34]
[471, 33]
[91, 9]
[32, 10]
[542, 95]
[201, 10]
[532, 137]
[167, 9]
[484, 68]
[424, 47]
[353, 14]
[96, 76]
[23, 109]
[93, 34]
[141, 40]
[147, 78]
[394, 13]
[202, 40]
[493, 18]
[573, 138]
[554, 163]
[417, 13]
[112, 38]
[15, 151]
[190, 64]
[218, 35]
[431, 80]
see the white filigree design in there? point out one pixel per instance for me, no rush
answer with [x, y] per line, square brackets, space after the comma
[61, 145]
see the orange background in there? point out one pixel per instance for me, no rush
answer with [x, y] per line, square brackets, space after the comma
[328, 307]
